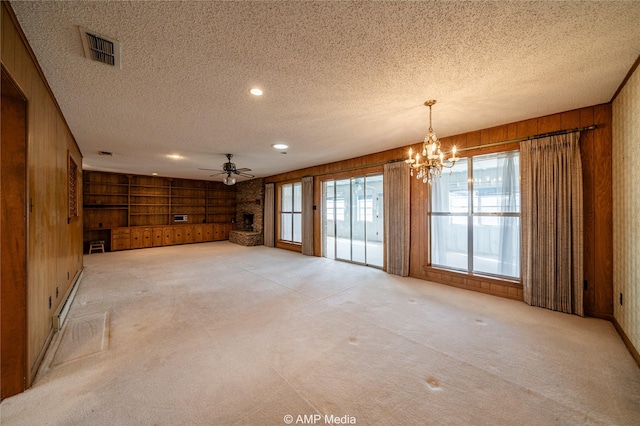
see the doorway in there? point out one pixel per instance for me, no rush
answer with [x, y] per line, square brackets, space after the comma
[352, 220]
[13, 233]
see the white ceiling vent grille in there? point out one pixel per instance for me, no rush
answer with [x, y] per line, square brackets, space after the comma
[100, 48]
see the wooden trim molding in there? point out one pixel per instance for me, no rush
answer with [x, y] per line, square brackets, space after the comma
[632, 349]
[626, 78]
[479, 283]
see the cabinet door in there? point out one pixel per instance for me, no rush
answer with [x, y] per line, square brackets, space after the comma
[198, 234]
[167, 236]
[158, 238]
[217, 232]
[178, 235]
[147, 237]
[136, 238]
[188, 234]
[225, 231]
[208, 232]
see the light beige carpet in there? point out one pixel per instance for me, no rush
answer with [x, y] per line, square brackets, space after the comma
[219, 334]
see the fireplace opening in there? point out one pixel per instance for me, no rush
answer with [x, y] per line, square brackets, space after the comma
[247, 222]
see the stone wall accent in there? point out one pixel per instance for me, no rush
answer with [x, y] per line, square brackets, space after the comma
[250, 200]
[246, 238]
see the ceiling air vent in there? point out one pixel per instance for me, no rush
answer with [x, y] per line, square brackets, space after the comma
[100, 48]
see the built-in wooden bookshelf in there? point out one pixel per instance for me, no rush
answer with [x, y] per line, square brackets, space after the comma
[113, 201]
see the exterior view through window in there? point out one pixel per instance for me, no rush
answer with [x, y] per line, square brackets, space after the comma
[352, 220]
[291, 213]
[475, 216]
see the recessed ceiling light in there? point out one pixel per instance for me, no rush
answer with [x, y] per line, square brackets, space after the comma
[154, 174]
[175, 156]
[280, 146]
[255, 91]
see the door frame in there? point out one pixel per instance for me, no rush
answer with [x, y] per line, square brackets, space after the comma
[14, 229]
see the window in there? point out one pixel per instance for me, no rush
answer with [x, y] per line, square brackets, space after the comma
[291, 212]
[475, 216]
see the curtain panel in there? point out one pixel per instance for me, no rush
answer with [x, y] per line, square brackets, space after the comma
[269, 215]
[552, 223]
[396, 186]
[307, 215]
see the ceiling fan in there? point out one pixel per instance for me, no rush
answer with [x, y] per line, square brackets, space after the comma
[229, 168]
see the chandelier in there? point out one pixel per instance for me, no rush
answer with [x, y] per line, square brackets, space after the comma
[430, 165]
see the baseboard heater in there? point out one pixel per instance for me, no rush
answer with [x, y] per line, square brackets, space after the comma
[63, 310]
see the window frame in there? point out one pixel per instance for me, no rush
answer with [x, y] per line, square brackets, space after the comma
[470, 215]
[280, 241]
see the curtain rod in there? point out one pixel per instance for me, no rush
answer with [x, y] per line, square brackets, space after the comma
[541, 135]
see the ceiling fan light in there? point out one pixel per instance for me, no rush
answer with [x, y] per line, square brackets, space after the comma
[229, 180]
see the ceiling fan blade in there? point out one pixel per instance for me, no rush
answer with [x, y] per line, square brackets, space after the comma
[213, 170]
[242, 170]
[245, 175]
[218, 174]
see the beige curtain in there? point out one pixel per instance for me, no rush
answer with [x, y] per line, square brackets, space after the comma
[396, 217]
[269, 215]
[307, 215]
[552, 235]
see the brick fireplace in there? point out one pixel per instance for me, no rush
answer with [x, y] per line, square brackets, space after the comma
[249, 213]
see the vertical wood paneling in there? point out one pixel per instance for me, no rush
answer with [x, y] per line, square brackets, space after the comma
[526, 128]
[570, 119]
[8, 42]
[586, 151]
[549, 123]
[603, 214]
[498, 134]
[54, 254]
[473, 139]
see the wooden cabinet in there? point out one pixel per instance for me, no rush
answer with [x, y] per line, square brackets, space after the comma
[141, 238]
[178, 235]
[188, 234]
[158, 237]
[221, 231]
[167, 236]
[198, 234]
[207, 231]
[134, 211]
[120, 239]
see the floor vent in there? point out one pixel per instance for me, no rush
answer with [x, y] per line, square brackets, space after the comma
[100, 48]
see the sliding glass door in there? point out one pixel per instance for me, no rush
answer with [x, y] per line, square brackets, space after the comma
[352, 221]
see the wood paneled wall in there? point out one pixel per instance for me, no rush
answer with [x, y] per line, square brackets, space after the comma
[54, 246]
[597, 167]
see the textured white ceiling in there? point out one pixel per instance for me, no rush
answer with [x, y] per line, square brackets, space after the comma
[341, 79]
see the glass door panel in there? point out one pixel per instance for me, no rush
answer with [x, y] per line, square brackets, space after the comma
[328, 219]
[375, 221]
[358, 220]
[352, 220]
